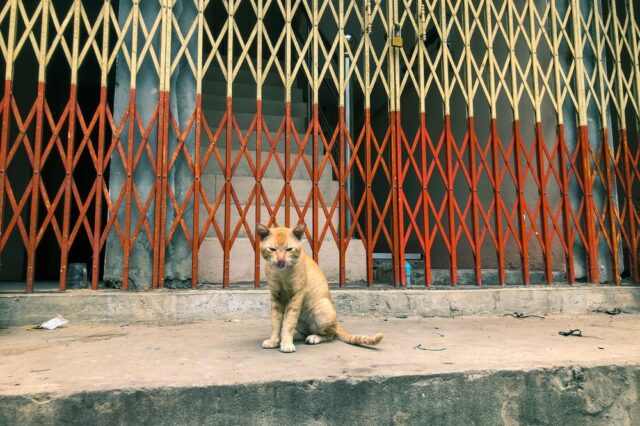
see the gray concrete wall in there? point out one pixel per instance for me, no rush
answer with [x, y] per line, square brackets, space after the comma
[182, 104]
[563, 396]
[147, 95]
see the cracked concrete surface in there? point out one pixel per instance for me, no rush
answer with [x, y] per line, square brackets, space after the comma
[211, 373]
[83, 357]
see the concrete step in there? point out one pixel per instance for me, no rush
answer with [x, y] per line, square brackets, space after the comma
[248, 105]
[246, 90]
[243, 186]
[251, 140]
[20, 309]
[216, 373]
[244, 119]
[272, 170]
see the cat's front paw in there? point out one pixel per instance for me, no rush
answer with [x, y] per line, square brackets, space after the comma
[313, 339]
[287, 347]
[270, 344]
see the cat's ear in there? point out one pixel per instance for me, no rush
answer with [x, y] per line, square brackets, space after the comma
[262, 231]
[298, 231]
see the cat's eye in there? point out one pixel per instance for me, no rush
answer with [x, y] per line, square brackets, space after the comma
[289, 248]
[272, 249]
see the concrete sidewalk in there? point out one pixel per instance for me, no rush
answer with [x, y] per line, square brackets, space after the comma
[213, 372]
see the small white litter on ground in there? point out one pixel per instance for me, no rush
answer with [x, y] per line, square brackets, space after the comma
[52, 324]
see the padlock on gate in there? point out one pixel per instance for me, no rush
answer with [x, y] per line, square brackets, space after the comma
[396, 36]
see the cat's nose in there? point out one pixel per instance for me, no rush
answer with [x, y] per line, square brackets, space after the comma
[280, 264]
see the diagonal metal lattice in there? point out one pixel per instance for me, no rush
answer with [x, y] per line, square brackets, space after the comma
[496, 141]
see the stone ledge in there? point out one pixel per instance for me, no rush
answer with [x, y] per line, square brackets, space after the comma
[183, 306]
[602, 395]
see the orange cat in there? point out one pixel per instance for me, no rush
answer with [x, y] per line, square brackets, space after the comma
[300, 298]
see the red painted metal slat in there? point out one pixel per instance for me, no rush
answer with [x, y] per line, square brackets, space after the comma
[35, 189]
[494, 141]
[613, 235]
[342, 177]
[258, 191]
[523, 240]
[472, 141]
[4, 143]
[628, 180]
[97, 220]
[227, 193]
[67, 187]
[566, 207]
[589, 209]
[544, 202]
[426, 237]
[369, 196]
[315, 242]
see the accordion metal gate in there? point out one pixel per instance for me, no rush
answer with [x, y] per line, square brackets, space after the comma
[485, 137]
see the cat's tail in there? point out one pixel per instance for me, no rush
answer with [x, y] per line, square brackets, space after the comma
[344, 336]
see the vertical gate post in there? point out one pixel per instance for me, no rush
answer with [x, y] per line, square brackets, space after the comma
[341, 140]
[472, 140]
[539, 144]
[426, 233]
[448, 142]
[287, 116]
[229, 140]
[259, 127]
[104, 71]
[397, 255]
[562, 150]
[6, 109]
[163, 142]
[72, 104]
[634, 28]
[494, 140]
[585, 148]
[131, 117]
[608, 158]
[315, 203]
[195, 241]
[158, 229]
[367, 123]
[518, 153]
[36, 178]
